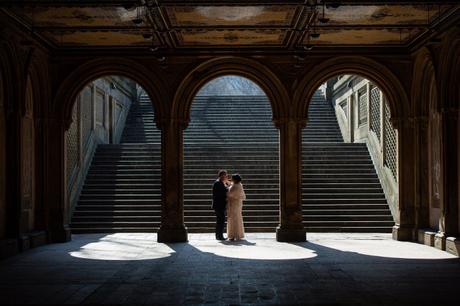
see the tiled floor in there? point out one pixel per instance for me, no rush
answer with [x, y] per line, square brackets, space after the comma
[329, 269]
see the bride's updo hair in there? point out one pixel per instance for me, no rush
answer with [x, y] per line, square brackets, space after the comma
[236, 178]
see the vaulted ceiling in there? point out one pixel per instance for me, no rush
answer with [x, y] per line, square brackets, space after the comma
[250, 24]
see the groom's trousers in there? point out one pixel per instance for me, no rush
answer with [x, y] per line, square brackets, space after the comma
[220, 222]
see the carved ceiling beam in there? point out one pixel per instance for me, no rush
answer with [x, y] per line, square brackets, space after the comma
[99, 3]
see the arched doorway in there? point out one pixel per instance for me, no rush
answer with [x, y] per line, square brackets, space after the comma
[350, 159]
[113, 159]
[231, 128]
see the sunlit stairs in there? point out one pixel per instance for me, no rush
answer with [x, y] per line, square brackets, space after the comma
[122, 190]
[235, 133]
[341, 191]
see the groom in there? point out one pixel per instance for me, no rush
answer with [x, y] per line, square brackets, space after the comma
[219, 202]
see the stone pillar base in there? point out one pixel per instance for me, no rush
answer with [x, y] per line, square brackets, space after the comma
[426, 237]
[61, 235]
[172, 235]
[403, 233]
[291, 235]
[440, 241]
[453, 245]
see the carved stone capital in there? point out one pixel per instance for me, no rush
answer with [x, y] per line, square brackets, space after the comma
[400, 122]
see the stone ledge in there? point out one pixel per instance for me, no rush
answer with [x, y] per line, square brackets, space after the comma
[426, 236]
[402, 233]
[440, 241]
[453, 245]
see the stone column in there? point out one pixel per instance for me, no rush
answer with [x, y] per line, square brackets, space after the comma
[291, 228]
[421, 166]
[172, 227]
[13, 171]
[55, 181]
[448, 224]
[404, 228]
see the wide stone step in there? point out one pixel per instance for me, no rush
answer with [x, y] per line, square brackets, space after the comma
[253, 201]
[338, 185]
[338, 175]
[114, 224]
[125, 201]
[116, 191]
[347, 229]
[346, 218]
[110, 207]
[254, 206]
[308, 199]
[131, 229]
[246, 219]
[118, 213]
[348, 223]
[251, 196]
[335, 207]
[101, 219]
[348, 211]
[352, 189]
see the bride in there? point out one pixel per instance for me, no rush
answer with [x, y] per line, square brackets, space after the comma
[235, 197]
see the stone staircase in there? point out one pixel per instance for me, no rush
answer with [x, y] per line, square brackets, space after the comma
[341, 191]
[237, 134]
[122, 190]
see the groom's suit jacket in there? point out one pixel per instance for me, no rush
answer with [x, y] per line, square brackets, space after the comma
[219, 195]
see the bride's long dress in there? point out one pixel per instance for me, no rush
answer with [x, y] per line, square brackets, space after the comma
[235, 197]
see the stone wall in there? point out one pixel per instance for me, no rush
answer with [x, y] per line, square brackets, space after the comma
[2, 164]
[364, 116]
[98, 117]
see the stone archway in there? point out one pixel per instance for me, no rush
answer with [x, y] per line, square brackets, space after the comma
[231, 128]
[60, 119]
[379, 74]
[424, 95]
[250, 69]
[391, 86]
[94, 69]
[290, 228]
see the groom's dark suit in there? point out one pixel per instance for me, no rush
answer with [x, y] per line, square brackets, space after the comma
[219, 204]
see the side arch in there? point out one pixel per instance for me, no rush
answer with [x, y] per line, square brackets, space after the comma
[94, 69]
[424, 92]
[362, 66]
[250, 69]
[448, 74]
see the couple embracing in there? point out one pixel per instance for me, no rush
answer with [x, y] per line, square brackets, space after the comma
[227, 198]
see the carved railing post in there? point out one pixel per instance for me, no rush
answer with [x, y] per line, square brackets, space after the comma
[172, 227]
[290, 228]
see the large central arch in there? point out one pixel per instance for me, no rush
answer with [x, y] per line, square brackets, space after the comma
[250, 69]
